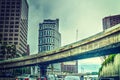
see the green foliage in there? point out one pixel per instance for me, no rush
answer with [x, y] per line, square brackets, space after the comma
[110, 59]
[8, 51]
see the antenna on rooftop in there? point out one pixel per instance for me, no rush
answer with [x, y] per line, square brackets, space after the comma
[76, 34]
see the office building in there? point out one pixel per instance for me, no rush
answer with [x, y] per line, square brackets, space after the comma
[14, 24]
[49, 38]
[110, 21]
[69, 67]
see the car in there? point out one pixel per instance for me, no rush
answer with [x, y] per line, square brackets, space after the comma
[27, 77]
[49, 77]
[43, 78]
[72, 78]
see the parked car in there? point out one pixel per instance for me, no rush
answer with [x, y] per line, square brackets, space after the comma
[72, 78]
[27, 77]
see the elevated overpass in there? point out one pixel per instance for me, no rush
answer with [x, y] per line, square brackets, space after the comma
[103, 43]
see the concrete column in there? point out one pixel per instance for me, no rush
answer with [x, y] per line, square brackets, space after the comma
[43, 69]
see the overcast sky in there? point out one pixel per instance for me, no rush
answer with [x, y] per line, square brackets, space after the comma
[84, 15]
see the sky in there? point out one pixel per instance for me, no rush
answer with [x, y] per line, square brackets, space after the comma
[82, 15]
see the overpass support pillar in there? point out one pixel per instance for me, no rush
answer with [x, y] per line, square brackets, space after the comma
[43, 70]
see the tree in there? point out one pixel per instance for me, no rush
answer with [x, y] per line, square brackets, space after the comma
[9, 51]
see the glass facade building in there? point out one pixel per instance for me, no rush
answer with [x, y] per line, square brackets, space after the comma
[14, 24]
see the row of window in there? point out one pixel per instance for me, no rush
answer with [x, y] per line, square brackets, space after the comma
[45, 26]
[10, 39]
[46, 48]
[10, 34]
[8, 14]
[9, 30]
[9, 42]
[10, 10]
[46, 33]
[9, 22]
[7, 26]
[10, 6]
[9, 18]
[10, 2]
[46, 40]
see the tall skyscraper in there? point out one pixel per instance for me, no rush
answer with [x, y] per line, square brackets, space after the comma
[14, 24]
[110, 21]
[49, 37]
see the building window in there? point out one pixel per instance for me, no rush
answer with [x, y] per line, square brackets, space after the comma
[3, 3]
[6, 30]
[15, 42]
[10, 39]
[1, 18]
[7, 10]
[8, 7]
[5, 42]
[1, 22]
[1, 26]
[8, 3]
[17, 18]
[13, 3]
[16, 30]
[17, 22]
[12, 14]
[18, 6]
[11, 30]
[6, 26]
[7, 18]
[5, 34]
[15, 38]
[11, 26]
[3, 6]
[2, 10]
[12, 18]
[16, 34]
[5, 39]
[1, 30]
[17, 10]
[16, 26]
[17, 14]
[6, 22]
[11, 22]
[10, 42]
[10, 34]
[2, 14]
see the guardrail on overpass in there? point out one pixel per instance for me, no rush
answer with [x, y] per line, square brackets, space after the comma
[103, 43]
